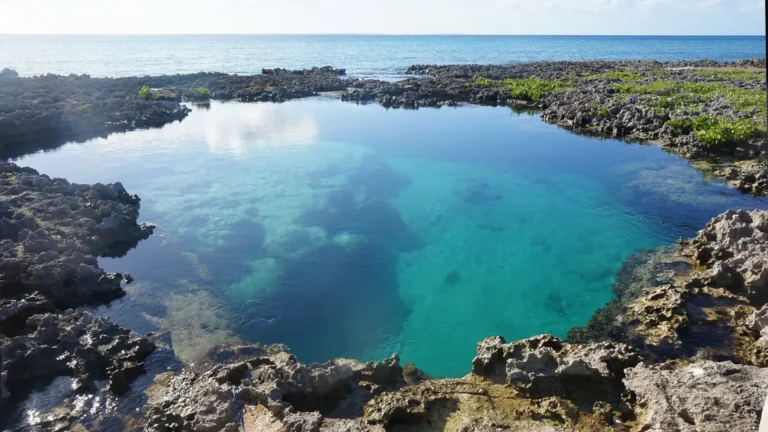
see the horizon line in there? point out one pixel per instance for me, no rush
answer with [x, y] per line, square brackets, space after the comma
[383, 34]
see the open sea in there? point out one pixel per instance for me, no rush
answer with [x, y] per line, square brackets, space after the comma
[346, 230]
[369, 56]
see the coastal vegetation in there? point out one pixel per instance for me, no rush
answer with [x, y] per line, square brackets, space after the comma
[733, 74]
[144, 92]
[200, 92]
[671, 95]
[525, 89]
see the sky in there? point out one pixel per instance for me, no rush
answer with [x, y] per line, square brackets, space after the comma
[551, 17]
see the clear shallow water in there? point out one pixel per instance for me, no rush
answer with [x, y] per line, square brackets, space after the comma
[355, 231]
[362, 55]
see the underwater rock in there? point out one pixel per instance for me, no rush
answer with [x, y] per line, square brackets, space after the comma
[51, 232]
[474, 191]
[75, 343]
[639, 273]
[701, 310]
[701, 396]
[750, 176]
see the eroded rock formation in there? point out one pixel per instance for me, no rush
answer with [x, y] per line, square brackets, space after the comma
[51, 232]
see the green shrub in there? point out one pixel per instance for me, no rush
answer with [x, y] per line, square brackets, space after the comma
[484, 82]
[200, 92]
[714, 132]
[623, 75]
[599, 110]
[10, 177]
[678, 94]
[144, 92]
[680, 126]
[532, 89]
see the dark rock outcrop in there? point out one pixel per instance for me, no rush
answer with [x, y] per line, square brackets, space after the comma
[749, 176]
[49, 110]
[46, 111]
[51, 232]
[38, 343]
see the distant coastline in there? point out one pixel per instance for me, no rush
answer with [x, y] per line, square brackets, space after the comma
[369, 56]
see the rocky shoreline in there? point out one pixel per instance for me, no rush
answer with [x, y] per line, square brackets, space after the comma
[684, 346]
[51, 232]
[701, 110]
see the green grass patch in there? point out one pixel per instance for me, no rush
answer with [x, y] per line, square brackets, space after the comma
[671, 95]
[599, 110]
[533, 89]
[623, 75]
[714, 132]
[484, 82]
[27, 212]
[732, 74]
[526, 89]
[200, 92]
[144, 92]
[680, 126]
[10, 177]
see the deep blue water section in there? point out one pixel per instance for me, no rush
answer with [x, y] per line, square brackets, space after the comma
[362, 55]
[352, 230]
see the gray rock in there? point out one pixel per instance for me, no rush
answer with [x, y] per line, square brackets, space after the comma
[700, 397]
[38, 343]
[49, 239]
[270, 376]
[735, 246]
[545, 366]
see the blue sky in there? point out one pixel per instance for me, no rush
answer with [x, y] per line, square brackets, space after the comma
[669, 17]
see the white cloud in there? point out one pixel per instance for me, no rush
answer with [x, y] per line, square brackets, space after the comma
[383, 16]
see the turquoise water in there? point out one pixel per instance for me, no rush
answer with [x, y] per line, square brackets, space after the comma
[362, 55]
[347, 230]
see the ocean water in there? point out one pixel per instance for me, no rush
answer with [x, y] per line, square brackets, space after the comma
[355, 231]
[369, 56]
